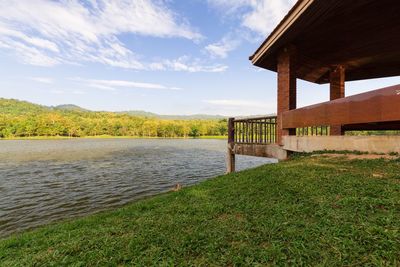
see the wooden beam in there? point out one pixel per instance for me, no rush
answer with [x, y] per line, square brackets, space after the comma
[375, 106]
[337, 79]
[310, 69]
[383, 126]
[286, 88]
[230, 160]
[231, 130]
[230, 157]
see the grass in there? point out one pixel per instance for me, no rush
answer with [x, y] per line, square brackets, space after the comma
[312, 210]
[109, 137]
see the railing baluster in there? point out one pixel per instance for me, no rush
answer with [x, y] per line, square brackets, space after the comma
[313, 131]
[265, 131]
[243, 132]
[247, 132]
[270, 131]
[254, 130]
[269, 136]
[251, 132]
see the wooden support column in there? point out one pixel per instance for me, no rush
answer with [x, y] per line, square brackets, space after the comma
[230, 158]
[286, 89]
[337, 79]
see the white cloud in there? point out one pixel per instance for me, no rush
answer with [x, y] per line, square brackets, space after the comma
[229, 6]
[38, 42]
[223, 47]
[260, 16]
[112, 85]
[185, 63]
[42, 80]
[47, 33]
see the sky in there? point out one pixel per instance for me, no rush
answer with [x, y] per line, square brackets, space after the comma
[162, 56]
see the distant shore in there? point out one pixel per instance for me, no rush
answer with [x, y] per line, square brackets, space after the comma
[109, 137]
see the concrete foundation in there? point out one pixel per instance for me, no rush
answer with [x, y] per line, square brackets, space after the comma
[257, 150]
[371, 144]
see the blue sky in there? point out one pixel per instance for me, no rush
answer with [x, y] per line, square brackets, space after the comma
[163, 56]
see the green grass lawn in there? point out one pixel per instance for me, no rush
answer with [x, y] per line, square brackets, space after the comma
[311, 210]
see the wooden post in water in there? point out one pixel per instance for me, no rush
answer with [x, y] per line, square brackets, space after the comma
[230, 159]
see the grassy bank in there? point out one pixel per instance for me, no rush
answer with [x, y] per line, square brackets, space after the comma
[309, 210]
[110, 137]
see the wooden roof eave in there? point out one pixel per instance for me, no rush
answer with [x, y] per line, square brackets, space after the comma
[297, 10]
[328, 33]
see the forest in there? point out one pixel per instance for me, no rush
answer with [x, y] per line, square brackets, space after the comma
[24, 119]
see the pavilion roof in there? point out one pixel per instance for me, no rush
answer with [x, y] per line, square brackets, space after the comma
[363, 36]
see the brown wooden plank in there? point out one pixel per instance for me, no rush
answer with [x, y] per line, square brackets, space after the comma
[381, 105]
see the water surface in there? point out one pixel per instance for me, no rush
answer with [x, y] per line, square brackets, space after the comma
[47, 180]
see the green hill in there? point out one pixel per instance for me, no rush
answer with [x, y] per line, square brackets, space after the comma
[17, 107]
[20, 119]
[70, 107]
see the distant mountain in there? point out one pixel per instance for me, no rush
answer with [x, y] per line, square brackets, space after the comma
[140, 113]
[193, 117]
[174, 117]
[17, 107]
[70, 107]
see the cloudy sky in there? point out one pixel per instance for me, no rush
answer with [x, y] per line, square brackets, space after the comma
[163, 56]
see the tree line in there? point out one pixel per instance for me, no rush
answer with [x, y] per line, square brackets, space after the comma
[32, 121]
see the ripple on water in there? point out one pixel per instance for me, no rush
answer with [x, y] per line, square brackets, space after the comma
[46, 181]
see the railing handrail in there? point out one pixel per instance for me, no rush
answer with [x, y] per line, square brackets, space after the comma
[378, 106]
[244, 119]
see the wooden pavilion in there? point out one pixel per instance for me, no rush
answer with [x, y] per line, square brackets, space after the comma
[327, 41]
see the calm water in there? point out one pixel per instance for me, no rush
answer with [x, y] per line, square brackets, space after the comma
[44, 181]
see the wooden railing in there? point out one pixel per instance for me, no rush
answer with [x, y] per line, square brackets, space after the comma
[256, 130]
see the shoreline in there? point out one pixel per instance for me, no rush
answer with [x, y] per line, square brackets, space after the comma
[108, 137]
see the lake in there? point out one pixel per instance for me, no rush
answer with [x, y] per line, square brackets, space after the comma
[42, 181]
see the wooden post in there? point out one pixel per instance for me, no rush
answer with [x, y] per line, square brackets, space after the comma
[230, 159]
[286, 89]
[337, 79]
